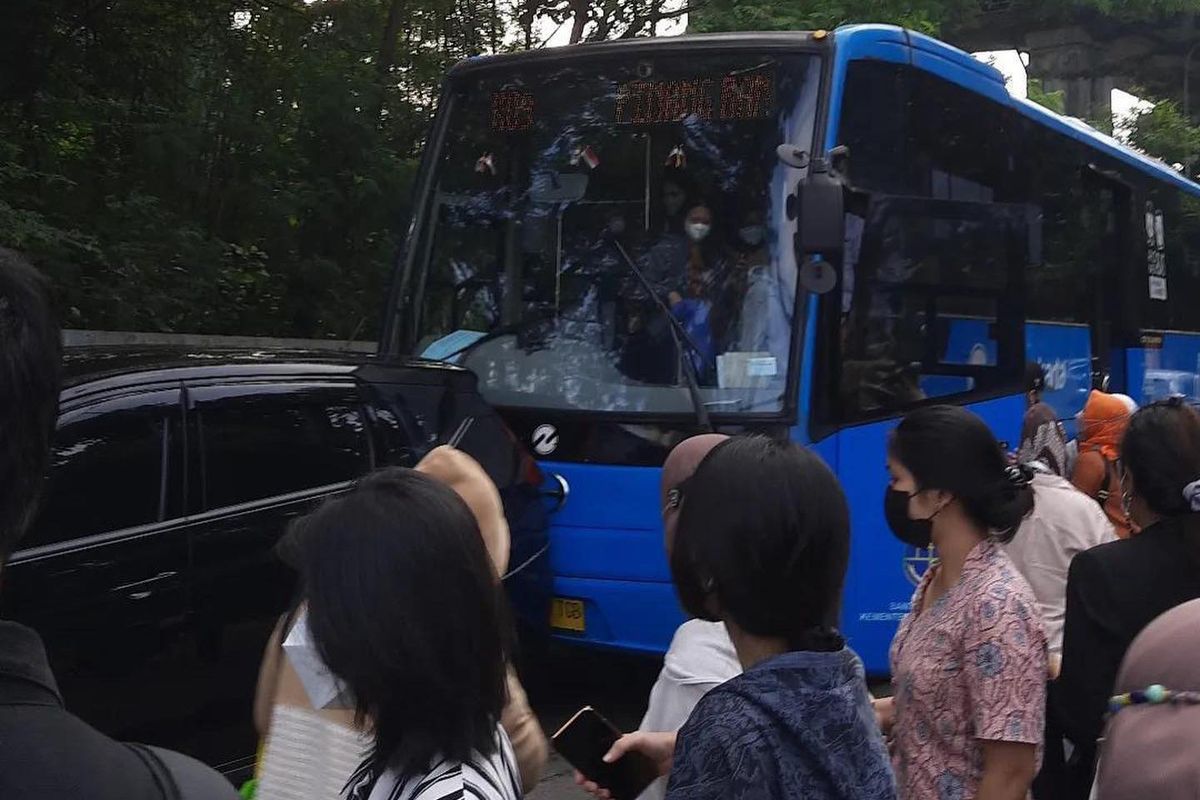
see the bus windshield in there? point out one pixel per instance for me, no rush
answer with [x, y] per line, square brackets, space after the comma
[548, 171]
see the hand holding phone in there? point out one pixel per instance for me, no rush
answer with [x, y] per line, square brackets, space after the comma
[587, 737]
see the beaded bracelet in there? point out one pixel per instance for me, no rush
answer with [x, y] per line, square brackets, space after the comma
[1153, 695]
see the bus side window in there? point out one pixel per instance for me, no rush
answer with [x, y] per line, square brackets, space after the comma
[935, 308]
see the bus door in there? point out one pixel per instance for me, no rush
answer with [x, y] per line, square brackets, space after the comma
[931, 311]
[1104, 208]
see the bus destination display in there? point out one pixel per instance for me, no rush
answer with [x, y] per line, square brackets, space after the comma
[512, 111]
[645, 102]
[732, 97]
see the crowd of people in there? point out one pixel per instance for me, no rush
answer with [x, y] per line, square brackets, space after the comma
[1052, 649]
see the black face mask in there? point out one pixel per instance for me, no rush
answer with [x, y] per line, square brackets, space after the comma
[916, 532]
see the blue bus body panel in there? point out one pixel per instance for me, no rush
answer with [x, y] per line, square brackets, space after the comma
[606, 549]
[1173, 369]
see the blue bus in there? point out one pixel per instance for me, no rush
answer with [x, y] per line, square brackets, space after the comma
[629, 242]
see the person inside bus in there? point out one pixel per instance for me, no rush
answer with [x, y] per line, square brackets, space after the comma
[701, 655]
[1115, 590]
[762, 545]
[969, 659]
[1102, 425]
[406, 617]
[692, 298]
[648, 352]
[1150, 748]
[1064, 522]
[742, 315]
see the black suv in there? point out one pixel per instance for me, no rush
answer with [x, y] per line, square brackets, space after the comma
[150, 571]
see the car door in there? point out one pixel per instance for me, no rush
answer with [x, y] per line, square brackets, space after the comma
[102, 573]
[263, 454]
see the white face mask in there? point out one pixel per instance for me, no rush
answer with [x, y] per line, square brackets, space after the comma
[323, 688]
[752, 234]
[698, 230]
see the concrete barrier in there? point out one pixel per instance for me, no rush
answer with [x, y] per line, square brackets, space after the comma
[78, 338]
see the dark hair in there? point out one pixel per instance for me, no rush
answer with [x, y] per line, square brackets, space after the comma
[949, 448]
[764, 529]
[1035, 377]
[1161, 452]
[30, 356]
[404, 607]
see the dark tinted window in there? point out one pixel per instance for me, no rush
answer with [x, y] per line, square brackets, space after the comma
[107, 471]
[280, 439]
[913, 133]
[928, 307]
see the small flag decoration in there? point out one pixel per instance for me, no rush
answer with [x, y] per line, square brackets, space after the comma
[587, 156]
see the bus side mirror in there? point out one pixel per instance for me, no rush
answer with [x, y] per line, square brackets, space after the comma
[818, 207]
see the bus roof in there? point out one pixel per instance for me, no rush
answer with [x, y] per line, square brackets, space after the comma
[988, 76]
[642, 47]
[983, 78]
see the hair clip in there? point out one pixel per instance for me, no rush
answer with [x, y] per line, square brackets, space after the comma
[1016, 476]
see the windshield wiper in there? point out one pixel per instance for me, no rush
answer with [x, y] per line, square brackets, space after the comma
[680, 336]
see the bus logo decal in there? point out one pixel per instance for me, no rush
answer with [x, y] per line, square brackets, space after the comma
[545, 439]
[917, 561]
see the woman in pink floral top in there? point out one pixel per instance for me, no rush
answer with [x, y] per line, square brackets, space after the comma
[969, 661]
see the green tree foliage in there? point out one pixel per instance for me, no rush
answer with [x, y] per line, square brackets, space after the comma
[1166, 133]
[1055, 101]
[736, 15]
[244, 166]
[217, 166]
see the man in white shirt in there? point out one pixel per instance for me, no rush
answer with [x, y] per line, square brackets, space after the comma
[701, 656]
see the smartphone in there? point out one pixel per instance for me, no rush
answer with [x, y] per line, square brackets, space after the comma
[584, 740]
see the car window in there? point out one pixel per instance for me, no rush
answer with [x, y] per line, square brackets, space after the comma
[280, 439]
[107, 471]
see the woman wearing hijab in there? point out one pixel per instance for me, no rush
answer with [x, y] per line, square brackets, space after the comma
[1151, 744]
[1062, 523]
[701, 656]
[1043, 440]
[1101, 427]
[1115, 590]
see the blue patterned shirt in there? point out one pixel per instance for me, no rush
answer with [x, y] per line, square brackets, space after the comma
[799, 725]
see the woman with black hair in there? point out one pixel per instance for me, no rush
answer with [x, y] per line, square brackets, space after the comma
[404, 610]
[969, 660]
[1115, 590]
[762, 545]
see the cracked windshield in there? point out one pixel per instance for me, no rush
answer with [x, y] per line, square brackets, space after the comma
[601, 229]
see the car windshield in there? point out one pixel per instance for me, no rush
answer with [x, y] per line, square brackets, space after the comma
[550, 174]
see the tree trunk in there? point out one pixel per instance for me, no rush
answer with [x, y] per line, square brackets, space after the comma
[580, 9]
[387, 46]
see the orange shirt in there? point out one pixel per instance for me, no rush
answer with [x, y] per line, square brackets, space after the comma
[1088, 477]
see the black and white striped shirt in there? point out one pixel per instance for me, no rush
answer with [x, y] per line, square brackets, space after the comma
[481, 777]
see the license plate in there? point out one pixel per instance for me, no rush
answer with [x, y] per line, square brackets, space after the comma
[567, 615]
